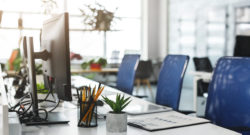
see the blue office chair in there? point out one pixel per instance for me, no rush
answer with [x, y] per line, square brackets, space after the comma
[170, 80]
[126, 73]
[228, 103]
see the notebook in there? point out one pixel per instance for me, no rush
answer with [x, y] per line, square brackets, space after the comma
[161, 121]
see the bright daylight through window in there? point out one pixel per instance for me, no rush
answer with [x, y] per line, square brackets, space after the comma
[124, 34]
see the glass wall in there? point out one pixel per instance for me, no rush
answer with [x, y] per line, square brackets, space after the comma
[206, 28]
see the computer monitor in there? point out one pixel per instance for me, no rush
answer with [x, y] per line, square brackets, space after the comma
[56, 64]
[242, 46]
[55, 40]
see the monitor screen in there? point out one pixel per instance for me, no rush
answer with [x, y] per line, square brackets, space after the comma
[55, 40]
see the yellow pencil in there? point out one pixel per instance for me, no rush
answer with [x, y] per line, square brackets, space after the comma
[92, 105]
[84, 95]
[83, 99]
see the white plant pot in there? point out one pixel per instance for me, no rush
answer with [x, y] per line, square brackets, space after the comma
[116, 122]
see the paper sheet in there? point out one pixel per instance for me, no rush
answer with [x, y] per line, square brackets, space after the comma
[167, 120]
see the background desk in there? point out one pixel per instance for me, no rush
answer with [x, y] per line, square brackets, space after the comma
[81, 71]
[206, 77]
[103, 70]
[71, 129]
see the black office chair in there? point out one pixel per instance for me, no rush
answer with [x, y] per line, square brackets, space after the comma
[242, 46]
[202, 64]
[142, 75]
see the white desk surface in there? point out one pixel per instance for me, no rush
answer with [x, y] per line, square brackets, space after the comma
[205, 75]
[73, 129]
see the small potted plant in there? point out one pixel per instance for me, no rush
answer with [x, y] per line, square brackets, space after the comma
[95, 65]
[116, 120]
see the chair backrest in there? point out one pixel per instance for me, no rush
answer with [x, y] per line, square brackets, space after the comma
[170, 80]
[202, 64]
[228, 102]
[242, 46]
[144, 69]
[126, 73]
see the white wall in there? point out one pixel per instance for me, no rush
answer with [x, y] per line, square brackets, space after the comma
[155, 29]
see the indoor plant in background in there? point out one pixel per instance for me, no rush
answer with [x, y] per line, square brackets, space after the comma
[116, 120]
[97, 17]
[48, 6]
[39, 73]
[94, 64]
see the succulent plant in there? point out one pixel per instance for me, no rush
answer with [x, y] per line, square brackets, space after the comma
[118, 105]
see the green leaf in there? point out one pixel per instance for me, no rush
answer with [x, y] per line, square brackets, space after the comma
[120, 103]
[126, 100]
[125, 105]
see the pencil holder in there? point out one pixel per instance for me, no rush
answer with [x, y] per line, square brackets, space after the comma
[88, 114]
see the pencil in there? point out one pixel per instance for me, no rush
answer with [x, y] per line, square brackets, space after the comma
[92, 105]
[83, 99]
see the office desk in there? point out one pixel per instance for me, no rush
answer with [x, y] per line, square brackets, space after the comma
[206, 77]
[81, 71]
[103, 70]
[72, 129]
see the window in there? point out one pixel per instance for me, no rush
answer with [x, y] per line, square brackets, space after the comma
[125, 34]
[12, 10]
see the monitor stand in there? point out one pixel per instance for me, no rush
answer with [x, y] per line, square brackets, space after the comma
[53, 118]
[36, 118]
